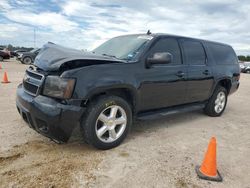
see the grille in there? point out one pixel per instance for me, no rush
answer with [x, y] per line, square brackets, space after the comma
[30, 87]
[32, 82]
[36, 76]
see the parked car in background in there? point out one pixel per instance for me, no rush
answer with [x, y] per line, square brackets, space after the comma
[141, 76]
[4, 55]
[28, 57]
[245, 67]
[16, 52]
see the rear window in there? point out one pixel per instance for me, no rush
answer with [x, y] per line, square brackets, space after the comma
[223, 54]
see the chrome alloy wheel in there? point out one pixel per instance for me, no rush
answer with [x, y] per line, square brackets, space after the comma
[220, 102]
[111, 124]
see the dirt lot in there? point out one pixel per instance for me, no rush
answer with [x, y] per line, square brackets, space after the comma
[159, 153]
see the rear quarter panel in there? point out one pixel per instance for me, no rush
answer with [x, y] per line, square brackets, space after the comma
[222, 71]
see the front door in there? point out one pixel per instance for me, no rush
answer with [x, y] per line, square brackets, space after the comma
[164, 85]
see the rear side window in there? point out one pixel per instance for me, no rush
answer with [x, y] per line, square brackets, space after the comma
[223, 54]
[167, 45]
[194, 53]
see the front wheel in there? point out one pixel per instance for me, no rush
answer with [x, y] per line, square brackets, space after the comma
[107, 122]
[1, 58]
[217, 103]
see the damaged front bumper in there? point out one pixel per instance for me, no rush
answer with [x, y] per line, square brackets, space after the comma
[47, 116]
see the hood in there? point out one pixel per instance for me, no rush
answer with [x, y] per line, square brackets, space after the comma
[25, 53]
[53, 57]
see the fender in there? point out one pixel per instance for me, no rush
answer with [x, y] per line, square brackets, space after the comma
[104, 89]
[97, 79]
[110, 87]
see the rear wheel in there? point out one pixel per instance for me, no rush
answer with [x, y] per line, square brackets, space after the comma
[217, 103]
[27, 60]
[248, 71]
[107, 122]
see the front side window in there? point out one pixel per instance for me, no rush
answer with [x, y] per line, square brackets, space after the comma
[124, 47]
[37, 51]
[169, 45]
[194, 53]
[34, 50]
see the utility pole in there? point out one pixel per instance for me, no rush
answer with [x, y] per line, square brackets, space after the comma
[34, 37]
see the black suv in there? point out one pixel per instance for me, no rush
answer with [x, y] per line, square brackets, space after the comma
[139, 76]
[28, 57]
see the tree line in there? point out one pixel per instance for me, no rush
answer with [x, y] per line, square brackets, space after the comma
[244, 58]
[13, 48]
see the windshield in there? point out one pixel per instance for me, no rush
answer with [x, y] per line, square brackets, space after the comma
[124, 47]
[34, 50]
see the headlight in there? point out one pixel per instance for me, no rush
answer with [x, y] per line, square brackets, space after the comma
[58, 87]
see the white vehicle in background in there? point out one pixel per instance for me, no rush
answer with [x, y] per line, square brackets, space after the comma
[245, 67]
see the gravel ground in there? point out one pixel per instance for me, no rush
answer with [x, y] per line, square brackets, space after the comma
[157, 153]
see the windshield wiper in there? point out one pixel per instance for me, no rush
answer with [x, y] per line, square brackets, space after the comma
[110, 56]
[124, 59]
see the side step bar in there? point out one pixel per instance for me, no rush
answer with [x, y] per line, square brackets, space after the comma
[169, 111]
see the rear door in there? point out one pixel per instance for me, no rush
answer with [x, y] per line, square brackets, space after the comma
[164, 85]
[199, 77]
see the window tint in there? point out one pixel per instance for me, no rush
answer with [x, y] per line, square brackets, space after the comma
[167, 45]
[194, 52]
[223, 54]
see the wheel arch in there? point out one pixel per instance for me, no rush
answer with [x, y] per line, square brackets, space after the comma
[124, 91]
[225, 82]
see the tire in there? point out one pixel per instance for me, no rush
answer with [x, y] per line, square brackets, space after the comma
[27, 60]
[248, 71]
[1, 58]
[216, 105]
[98, 115]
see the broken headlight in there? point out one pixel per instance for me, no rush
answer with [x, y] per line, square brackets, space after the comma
[58, 87]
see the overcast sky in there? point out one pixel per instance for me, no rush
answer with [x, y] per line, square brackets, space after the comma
[84, 24]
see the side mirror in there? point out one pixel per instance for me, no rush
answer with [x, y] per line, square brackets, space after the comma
[160, 58]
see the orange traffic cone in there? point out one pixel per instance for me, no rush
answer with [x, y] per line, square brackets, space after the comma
[5, 78]
[208, 169]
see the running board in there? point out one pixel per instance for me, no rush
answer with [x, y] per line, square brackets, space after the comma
[169, 111]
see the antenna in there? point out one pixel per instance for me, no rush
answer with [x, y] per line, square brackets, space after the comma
[149, 32]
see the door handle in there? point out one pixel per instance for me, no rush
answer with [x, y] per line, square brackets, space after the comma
[180, 74]
[206, 72]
